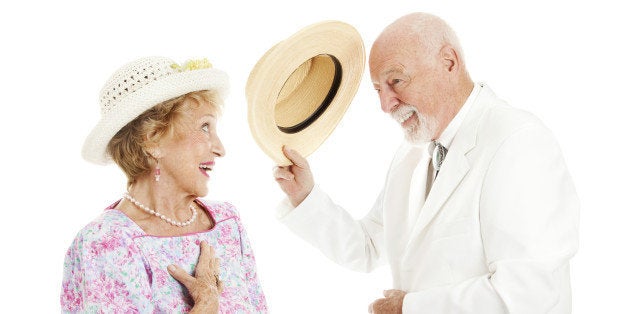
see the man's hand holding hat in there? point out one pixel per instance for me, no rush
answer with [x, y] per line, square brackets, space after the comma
[295, 180]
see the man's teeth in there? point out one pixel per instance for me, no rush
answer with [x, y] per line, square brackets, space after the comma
[405, 117]
[206, 167]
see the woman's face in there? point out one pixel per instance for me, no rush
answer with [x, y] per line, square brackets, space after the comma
[188, 154]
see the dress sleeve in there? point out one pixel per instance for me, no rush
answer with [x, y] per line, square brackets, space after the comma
[258, 300]
[103, 272]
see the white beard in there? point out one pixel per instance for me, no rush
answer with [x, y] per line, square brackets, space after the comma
[417, 133]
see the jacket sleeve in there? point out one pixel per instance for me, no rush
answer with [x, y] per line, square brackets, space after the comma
[528, 219]
[355, 244]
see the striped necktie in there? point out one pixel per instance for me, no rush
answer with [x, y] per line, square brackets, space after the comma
[438, 156]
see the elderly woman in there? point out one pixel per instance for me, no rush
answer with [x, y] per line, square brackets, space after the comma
[159, 126]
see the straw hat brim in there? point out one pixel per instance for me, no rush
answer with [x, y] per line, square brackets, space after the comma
[172, 86]
[306, 64]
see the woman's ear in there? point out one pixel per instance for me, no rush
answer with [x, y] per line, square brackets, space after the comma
[155, 153]
[151, 145]
[449, 58]
[152, 150]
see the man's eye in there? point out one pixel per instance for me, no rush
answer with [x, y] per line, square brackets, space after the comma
[205, 128]
[395, 81]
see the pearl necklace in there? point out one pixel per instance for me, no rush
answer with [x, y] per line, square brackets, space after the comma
[154, 212]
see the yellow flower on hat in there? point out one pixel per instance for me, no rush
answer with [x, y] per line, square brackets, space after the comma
[191, 65]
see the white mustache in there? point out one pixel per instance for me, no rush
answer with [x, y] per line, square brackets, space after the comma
[403, 112]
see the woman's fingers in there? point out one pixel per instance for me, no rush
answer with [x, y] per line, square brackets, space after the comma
[204, 259]
[181, 275]
[205, 287]
[210, 263]
[209, 266]
[219, 285]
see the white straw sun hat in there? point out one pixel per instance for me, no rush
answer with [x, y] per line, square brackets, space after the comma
[140, 85]
[300, 89]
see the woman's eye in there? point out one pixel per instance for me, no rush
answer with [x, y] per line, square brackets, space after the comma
[205, 128]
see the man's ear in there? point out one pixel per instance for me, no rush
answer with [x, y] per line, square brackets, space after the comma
[449, 58]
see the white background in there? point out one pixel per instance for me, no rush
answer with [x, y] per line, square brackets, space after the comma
[563, 60]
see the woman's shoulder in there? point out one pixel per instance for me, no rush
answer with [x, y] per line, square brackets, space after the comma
[221, 210]
[110, 224]
[105, 242]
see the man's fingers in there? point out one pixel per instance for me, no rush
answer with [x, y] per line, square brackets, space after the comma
[295, 157]
[282, 173]
[181, 275]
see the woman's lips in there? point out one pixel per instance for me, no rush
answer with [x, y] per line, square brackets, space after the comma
[205, 167]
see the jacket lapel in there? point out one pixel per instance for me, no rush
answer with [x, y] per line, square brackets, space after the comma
[455, 166]
[453, 170]
[398, 214]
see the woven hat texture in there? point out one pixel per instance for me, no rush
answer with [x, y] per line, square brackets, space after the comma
[140, 85]
[300, 89]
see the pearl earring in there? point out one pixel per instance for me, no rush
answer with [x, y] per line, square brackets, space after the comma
[157, 172]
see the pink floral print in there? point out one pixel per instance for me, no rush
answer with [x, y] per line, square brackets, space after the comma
[113, 266]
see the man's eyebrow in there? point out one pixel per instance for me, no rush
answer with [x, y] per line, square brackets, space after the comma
[393, 70]
[390, 71]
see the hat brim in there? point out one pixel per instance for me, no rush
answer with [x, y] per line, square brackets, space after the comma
[331, 38]
[172, 86]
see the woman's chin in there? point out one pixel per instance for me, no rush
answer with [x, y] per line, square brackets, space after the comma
[202, 191]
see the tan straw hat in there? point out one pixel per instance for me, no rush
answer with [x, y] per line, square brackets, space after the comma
[140, 85]
[300, 89]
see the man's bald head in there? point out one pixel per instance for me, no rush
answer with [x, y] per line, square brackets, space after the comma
[417, 69]
[420, 31]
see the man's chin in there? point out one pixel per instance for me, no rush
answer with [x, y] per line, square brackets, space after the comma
[415, 139]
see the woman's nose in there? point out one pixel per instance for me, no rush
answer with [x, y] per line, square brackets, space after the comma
[217, 148]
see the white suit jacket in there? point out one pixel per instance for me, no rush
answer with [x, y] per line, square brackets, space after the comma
[495, 234]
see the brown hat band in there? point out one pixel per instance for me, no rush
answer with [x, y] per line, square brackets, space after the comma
[304, 86]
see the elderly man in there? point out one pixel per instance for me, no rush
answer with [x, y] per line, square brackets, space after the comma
[478, 213]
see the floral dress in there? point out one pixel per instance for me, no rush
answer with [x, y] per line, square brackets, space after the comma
[113, 266]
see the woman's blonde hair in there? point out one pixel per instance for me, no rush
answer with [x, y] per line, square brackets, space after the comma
[128, 148]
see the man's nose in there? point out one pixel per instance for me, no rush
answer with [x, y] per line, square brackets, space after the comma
[388, 101]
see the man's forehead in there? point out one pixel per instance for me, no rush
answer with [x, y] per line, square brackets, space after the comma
[387, 71]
